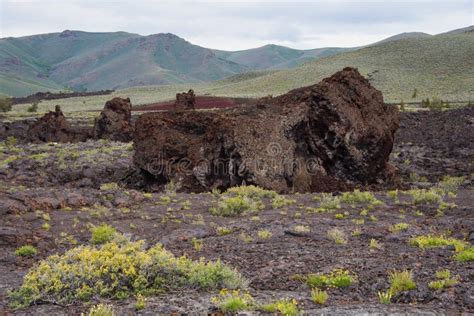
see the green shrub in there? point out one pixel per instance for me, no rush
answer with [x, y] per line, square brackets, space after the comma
[337, 278]
[286, 307]
[327, 202]
[319, 296]
[5, 104]
[401, 281]
[465, 255]
[423, 196]
[399, 227]
[102, 234]
[444, 280]
[280, 201]
[251, 191]
[101, 310]
[450, 184]
[233, 206]
[358, 197]
[33, 107]
[431, 241]
[233, 301]
[385, 297]
[26, 251]
[337, 235]
[117, 270]
[264, 234]
[109, 186]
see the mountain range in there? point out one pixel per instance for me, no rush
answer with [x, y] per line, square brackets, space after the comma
[77, 60]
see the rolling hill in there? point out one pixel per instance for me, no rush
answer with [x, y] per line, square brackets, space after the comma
[434, 64]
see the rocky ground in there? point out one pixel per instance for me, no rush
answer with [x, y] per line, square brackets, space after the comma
[51, 194]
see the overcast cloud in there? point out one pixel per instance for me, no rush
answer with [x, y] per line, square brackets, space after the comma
[233, 25]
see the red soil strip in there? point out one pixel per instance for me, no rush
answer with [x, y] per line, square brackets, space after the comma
[202, 102]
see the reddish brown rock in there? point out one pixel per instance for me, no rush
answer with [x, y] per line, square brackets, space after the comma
[329, 136]
[185, 100]
[52, 127]
[114, 122]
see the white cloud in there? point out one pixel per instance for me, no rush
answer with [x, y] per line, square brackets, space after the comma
[232, 25]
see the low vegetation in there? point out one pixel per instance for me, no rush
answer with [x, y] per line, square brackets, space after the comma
[465, 255]
[101, 310]
[26, 251]
[337, 235]
[337, 278]
[102, 234]
[357, 196]
[287, 307]
[433, 241]
[118, 270]
[232, 301]
[401, 281]
[319, 296]
[241, 200]
[443, 280]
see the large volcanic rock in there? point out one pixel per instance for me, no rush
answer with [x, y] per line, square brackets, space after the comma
[52, 127]
[329, 136]
[114, 122]
[185, 100]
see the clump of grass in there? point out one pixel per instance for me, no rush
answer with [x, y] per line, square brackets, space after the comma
[102, 234]
[341, 215]
[240, 200]
[280, 201]
[385, 297]
[398, 227]
[337, 235]
[232, 301]
[423, 196]
[101, 310]
[374, 244]
[287, 307]
[301, 229]
[319, 296]
[465, 255]
[356, 232]
[109, 186]
[337, 278]
[197, 244]
[251, 191]
[358, 197]
[117, 270]
[140, 302]
[26, 251]
[431, 241]
[450, 184]
[444, 280]
[264, 234]
[401, 281]
[222, 231]
[393, 194]
[327, 203]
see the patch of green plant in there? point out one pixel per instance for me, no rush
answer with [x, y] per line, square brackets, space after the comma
[358, 197]
[450, 184]
[337, 235]
[109, 186]
[117, 270]
[336, 278]
[236, 205]
[465, 255]
[101, 310]
[287, 307]
[301, 229]
[102, 234]
[423, 196]
[432, 241]
[26, 251]
[264, 234]
[197, 244]
[280, 201]
[232, 301]
[385, 297]
[374, 244]
[222, 231]
[140, 302]
[319, 296]
[398, 227]
[251, 191]
[444, 280]
[5, 104]
[327, 202]
[401, 281]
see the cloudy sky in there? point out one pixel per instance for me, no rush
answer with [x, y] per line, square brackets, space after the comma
[233, 25]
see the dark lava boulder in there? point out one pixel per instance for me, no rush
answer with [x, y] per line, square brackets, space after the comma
[51, 127]
[114, 122]
[329, 136]
[185, 101]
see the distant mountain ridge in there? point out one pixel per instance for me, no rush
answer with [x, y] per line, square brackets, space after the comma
[81, 61]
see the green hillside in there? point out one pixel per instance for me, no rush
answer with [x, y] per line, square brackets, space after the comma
[441, 65]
